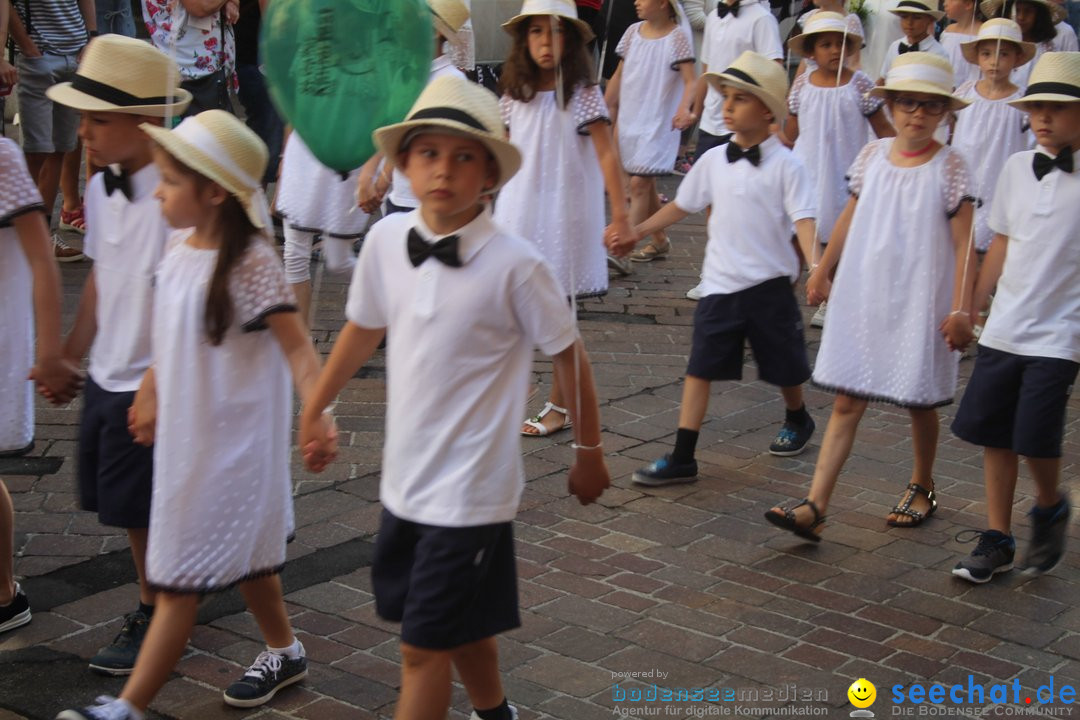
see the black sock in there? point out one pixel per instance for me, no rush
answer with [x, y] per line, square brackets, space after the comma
[798, 417]
[685, 444]
[499, 712]
[147, 610]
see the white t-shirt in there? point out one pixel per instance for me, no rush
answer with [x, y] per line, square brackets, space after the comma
[753, 209]
[726, 38]
[459, 353]
[927, 44]
[126, 240]
[1036, 309]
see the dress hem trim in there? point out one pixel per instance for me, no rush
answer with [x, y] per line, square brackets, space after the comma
[871, 397]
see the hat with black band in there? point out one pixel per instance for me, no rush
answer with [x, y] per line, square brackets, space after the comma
[1055, 78]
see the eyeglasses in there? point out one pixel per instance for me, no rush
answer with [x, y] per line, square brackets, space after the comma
[910, 105]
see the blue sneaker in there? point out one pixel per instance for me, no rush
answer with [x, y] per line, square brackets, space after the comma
[666, 471]
[792, 438]
[994, 554]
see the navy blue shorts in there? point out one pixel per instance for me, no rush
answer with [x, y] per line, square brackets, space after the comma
[115, 474]
[447, 586]
[1016, 402]
[768, 317]
[707, 141]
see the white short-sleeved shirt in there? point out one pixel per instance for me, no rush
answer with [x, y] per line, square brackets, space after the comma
[126, 240]
[752, 212]
[1065, 40]
[1036, 310]
[927, 44]
[726, 38]
[459, 352]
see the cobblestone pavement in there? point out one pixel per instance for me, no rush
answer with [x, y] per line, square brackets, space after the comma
[686, 585]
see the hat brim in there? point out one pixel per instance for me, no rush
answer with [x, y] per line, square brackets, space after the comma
[795, 42]
[445, 30]
[777, 106]
[925, 88]
[900, 12]
[507, 156]
[1043, 97]
[992, 9]
[190, 156]
[970, 50]
[582, 26]
[65, 94]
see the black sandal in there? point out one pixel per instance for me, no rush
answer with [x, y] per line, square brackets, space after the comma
[787, 521]
[904, 508]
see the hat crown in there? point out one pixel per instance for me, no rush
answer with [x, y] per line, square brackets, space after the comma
[1056, 68]
[921, 67]
[234, 146]
[449, 98]
[825, 21]
[564, 8]
[452, 12]
[1000, 29]
[762, 71]
[132, 66]
[915, 6]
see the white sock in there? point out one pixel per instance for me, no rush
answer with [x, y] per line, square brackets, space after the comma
[132, 710]
[292, 652]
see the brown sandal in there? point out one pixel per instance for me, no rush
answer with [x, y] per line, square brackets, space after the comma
[651, 252]
[787, 521]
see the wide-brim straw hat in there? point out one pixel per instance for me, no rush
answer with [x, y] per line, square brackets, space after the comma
[448, 17]
[758, 75]
[1055, 78]
[992, 8]
[218, 145]
[921, 72]
[565, 9]
[125, 75]
[917, 7]
[463, 108]
[820, 23]
[998, 30]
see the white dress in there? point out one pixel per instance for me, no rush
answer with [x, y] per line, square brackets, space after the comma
[18, 195]
[314, 198]
[894, 284]
[556, 199]
[222, 503]
[833, 128]
[649, 94]
[987, 133]
[963, 71]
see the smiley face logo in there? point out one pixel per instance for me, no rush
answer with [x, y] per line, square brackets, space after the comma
[862, 693]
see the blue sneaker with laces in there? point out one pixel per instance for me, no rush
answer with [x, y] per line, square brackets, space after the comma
[666, 471]
[792, 438]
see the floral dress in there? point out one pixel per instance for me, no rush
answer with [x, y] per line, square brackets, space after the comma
[199, 49]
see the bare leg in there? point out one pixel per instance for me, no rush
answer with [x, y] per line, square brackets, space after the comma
[170, 628]
[137, 540]
[695, 401]
[1047, 473]
[659, 237]
[45, 169]
[425, 684]
[69, 178]
[1000, 469]
[7, 547]
[265, 601]
[924, 441]
[302, 290]
[478, 665]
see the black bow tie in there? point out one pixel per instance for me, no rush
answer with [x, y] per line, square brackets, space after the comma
[750, 154]
[904, 48]
[445, 250]
[114, 181]
[1042, 164]
[723, 9]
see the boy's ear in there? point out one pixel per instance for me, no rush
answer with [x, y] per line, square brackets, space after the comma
[492, 173]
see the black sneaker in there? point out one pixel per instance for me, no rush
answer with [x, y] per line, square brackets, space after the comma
[16, 613]
[106, 708]
[666, 471]
[118, 658]
[1048, 533]
[269, 673]
[792, 438]
[994, 554]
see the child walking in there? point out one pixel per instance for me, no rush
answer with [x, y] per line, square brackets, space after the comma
[216, 404]
[966, 21]
[904, 278]
[854, 28]
[1042, 22]
[654, 82]
[568, 161]
[1029, 351]
[917, 18]
[750, 263]
[465, 302]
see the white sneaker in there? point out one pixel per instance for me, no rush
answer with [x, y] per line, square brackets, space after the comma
[695, 293]
[819, 317]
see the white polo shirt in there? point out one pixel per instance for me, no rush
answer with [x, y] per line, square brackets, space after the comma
[1036, 309]
[459, 353]
[752, 212]
[928, 44]
[126, 240]
[725, 39]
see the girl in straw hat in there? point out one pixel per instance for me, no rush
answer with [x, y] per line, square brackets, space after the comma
[903, 280]
[1041, 22]
[569, 160]
[966, 19]
[216, 404]
[854, 27]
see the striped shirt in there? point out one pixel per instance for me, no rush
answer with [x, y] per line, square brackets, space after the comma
[55, 26]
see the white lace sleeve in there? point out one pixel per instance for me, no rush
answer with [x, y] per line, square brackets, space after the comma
[627, 40]
[857, 172]
[463, 52]
[854, 26]
[682, 49]
[506, 106]
[258, 288]
[868, 104]
[795, 96]
[18, 193]
[957, 182]
[587, 106]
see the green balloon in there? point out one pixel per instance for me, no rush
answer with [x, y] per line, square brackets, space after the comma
[339, 69]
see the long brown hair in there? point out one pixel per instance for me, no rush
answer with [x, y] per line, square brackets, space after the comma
[521, 75]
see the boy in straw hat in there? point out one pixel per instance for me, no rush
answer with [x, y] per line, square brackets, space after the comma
[1029, 350]
[750, 263]
[465, 303]
[917, 18]
[121, 83]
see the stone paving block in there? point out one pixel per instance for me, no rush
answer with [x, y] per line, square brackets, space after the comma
[816, 657]
[587, 613]
[564, 675]
[673, 640]
[371, 667]
[847, 644]
[330, 709]
[1016, 629]
[329, 597]
[349, 688]
[43, 628]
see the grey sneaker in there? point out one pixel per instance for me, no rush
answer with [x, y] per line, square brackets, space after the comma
[818, 320]
[16, 613]
[1048, 531]
[619, 265]
[666, 471]
[118, 658]
[106, 707]
[269, 673]
[994, 554]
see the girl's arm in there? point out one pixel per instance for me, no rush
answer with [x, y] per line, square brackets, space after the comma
[81, 335]
[791, 130]
[806, 232]
[819, 283]
[290, 333]
[611, 95]
[588, 474]
[600, 133]
[370, 189]
[990, 272]
[956, 327]
[687, 113]
[881, 125]
[142, 415]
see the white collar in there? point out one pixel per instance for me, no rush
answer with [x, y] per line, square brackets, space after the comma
[473, 235]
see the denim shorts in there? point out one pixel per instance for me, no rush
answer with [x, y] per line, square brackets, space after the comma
[47, 126]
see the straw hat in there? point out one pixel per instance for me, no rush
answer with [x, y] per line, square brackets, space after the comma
[993, 8]
[125, 75]
[566, 9]
[998, 29]
[824, 22]
[448, 16]
[917, 7]
[759, 75]
[463, 108]
[218, 145]
[921, 72]
[1055, 78]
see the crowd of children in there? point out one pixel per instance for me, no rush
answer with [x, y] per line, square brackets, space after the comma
[193, 333]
